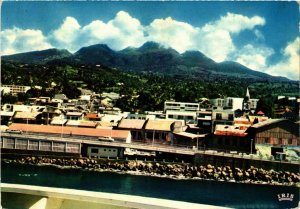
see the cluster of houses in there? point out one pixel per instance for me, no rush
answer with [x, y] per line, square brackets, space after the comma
[229, 124]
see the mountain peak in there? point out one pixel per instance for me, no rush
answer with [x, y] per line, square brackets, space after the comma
[150, 45]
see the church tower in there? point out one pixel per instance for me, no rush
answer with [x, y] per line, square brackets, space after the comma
[246, 103]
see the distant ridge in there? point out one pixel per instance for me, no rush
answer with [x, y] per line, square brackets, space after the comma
[150, 57]
[38, 57]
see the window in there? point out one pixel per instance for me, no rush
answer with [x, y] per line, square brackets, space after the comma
[104, 150]
[94, 151]
[206, 123]
[109, 150]
[230, 116]
[171, 116]
[114, 150]
[219, 116]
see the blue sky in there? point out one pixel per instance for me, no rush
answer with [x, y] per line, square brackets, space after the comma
[259, 35]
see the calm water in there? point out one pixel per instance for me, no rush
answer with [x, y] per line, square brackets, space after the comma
[197, 191]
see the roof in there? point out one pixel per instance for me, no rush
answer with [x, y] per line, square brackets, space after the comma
[260, 113]
[74, 113]
[68, 130]
[84, 123]
[60, 96]
[159, 125]
[131, 123]
[267, 122]
[27, 115]
[227, 130]
[92, 116]
[104, 124]
[190, 135]
[4, 113]
[58, 121]
[73, 123]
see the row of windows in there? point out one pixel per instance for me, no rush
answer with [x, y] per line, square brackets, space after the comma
[181, 117]
[96, 151]
[265, 140]
[219, 116]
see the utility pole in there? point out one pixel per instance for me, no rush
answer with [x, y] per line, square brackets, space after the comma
[197, 140]
[251, 146]
[153, 138]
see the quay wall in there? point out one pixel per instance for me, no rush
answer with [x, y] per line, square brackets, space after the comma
[245, 163]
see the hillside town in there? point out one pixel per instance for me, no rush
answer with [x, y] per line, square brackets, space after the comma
[222, 125]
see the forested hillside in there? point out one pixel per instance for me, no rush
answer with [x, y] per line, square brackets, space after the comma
[140, 90]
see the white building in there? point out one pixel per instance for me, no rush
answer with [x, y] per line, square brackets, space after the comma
[188, 116]
[14, 89]
[181, 106]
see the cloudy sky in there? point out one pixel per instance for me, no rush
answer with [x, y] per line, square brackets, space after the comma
[260, 35]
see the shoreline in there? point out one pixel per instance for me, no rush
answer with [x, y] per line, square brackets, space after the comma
[165, 170]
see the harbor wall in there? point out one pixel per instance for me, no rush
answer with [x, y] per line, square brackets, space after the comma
[245, 163]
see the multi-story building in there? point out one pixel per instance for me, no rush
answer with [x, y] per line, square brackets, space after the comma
[181, 111]
[181, 106]
[235, 103]
[188, 116]
[221, 116]
[204, 120]
[14, 89]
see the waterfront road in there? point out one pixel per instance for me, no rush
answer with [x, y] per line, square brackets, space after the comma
[134, 145]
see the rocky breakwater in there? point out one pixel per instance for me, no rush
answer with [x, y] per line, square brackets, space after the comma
[177, 171]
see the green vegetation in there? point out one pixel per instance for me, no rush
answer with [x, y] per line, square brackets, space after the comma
[140, 90]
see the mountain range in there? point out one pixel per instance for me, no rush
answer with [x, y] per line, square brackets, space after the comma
[150, 57]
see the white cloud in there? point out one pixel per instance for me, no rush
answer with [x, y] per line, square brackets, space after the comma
[214, 39]
[118, 33]
[289, 64]
[171, 33]
[254, 57]
[216, 36]
[259, 34]
[235, 23]
[66, 34]
[17, 40]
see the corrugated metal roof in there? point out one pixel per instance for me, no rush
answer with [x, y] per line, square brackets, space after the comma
[88, 124]
[68, 130]
[73, 123]
[131, 123]
[92, 116]
[267, 122]
[27, 115]
[160, 125]
[229, 130]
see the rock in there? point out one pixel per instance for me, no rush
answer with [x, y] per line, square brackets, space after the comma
[240, 174]
[224, 173]
[216, 176]
[170, 167]
[209, 170]
[237, 170]
[209, 166]
[80, 162]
